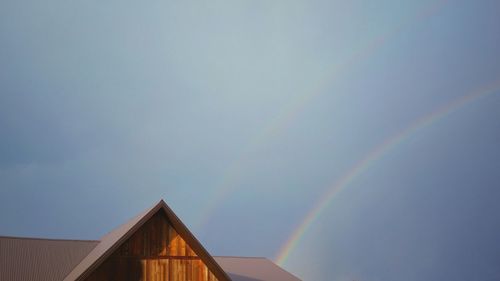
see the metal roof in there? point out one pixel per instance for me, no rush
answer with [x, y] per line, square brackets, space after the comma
[33, 259]
[253, 269]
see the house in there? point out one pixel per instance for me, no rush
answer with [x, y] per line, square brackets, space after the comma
[153, 246]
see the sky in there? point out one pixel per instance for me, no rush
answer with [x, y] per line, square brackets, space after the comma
[367, 129]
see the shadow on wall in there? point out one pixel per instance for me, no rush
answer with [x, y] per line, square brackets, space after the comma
[138, 272]
[118, 269]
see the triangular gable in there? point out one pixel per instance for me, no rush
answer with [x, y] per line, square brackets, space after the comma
[112, 242]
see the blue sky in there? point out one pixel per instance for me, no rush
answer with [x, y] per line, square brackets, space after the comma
[241, 114]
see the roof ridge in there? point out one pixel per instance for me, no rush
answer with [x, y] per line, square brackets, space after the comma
[143, 212]
[131, 219]
[47, 239]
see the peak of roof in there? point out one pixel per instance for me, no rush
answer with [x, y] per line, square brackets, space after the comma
[111, 241]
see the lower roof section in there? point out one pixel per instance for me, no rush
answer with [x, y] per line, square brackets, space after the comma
[253, 269]
[32, 259]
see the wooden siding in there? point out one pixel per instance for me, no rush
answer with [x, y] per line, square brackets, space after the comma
[155, 252]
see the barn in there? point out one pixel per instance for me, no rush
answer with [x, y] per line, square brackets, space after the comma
[153, 246]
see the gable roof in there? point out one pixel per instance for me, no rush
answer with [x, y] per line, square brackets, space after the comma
[35, 259]
[254, 269]
[30, 259]
[115, 238]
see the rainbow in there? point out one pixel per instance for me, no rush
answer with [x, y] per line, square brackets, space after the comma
[376, 154]
[291, 110]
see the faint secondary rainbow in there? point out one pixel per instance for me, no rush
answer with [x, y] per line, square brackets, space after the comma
[377, 153]
[292, 109]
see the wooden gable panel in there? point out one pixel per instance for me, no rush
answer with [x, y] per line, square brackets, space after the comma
[155, 252]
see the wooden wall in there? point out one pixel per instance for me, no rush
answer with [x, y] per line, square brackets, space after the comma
[156, 252]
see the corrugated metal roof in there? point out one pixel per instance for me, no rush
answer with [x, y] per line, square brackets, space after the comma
[33, 259]
[253, 269]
